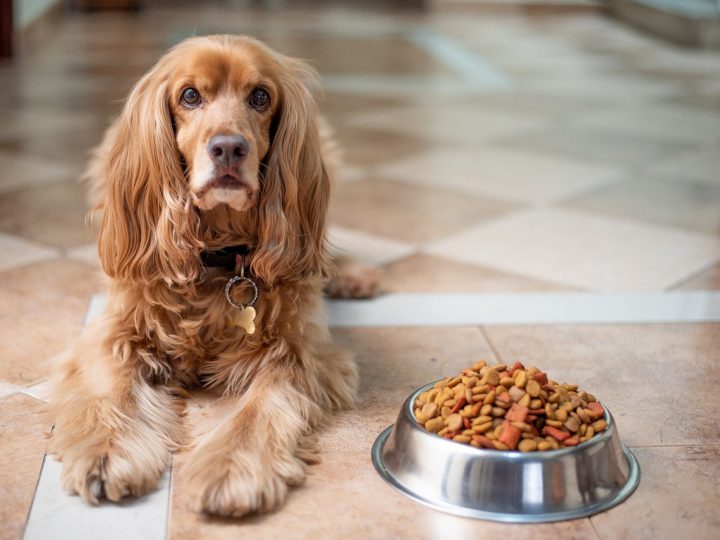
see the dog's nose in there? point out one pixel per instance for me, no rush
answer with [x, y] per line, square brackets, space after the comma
[228, 150]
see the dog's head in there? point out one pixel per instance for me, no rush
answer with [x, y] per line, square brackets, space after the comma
[220, 126]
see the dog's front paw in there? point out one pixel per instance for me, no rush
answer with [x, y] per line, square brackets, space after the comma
[109, 463]
[114, 474]
[243, 483]
[354, 280]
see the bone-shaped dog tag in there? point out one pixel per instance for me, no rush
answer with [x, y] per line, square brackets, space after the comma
[245, 319]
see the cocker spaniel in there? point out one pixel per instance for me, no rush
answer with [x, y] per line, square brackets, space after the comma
[214, 192]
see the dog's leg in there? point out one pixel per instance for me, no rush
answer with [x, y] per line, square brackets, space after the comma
[258, 448]
[112, 429]
[353, 279]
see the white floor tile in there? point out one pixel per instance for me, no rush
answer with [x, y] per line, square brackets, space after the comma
[702, 164]
[582, 250]
[87, 254]
[605, 88]
[508, 175]
[457, 124]
[56, 515]
[367, 248]
[16, 252]
[26, 172]
[96, 307]
[39, 391]
[667, 122]
[7, 389]
[528, 308]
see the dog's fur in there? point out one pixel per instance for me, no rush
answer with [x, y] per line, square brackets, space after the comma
[115, 404]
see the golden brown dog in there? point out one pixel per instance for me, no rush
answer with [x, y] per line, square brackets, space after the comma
[218, 145]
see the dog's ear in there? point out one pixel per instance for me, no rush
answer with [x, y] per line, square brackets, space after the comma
[295, 186]
[148, 227]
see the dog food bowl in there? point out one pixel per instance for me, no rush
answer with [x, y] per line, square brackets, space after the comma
[505, 486]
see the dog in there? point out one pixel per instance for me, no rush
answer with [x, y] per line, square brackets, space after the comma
[217, 155]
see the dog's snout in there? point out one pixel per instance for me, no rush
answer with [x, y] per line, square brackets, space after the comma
[228, 150]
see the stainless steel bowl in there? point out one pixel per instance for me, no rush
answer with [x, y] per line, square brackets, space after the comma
[505, 486]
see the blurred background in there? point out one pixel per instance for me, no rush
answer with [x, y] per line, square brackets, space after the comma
[489, 146]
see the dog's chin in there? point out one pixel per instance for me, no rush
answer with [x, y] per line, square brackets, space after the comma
[235, 193]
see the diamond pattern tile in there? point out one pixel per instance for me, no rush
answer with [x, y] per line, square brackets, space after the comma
[584, 250]
[506, 174]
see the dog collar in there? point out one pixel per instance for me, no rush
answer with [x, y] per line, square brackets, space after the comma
[224, 257]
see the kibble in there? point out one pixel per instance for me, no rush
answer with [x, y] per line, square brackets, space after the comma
[510, 408]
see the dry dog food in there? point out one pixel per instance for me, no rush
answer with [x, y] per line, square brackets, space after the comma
[509, 408]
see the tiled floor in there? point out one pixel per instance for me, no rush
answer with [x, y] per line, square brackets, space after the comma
[485, 153]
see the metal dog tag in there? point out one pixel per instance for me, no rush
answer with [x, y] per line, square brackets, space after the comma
[244, 317]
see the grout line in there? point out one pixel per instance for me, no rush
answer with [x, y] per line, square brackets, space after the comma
[692, 275]
[495, 352]
[597, 534]
[675, 445]
[168, 511]
[32, 502]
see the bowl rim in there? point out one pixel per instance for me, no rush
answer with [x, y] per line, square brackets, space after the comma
[409, 412]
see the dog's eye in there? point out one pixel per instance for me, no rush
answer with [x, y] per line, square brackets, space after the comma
[259, 99]
[190, 97]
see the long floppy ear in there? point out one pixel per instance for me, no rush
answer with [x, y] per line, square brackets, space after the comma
[295, 186]
[148, 227]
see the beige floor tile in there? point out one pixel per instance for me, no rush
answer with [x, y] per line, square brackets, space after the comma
[87, 254]
[424, 273]
[702, 164]
[628, 368]
[341, 109]
[458, 123]
[500, 173]
[362, 55]
[395, 361]
[42, 308]
[582, 250]
[70, 151]
[366, 248]
[605, 88]
[686, 205]
[606, 147]
[706, 280]
[678, 497]
[522, 102]
[413, 214]
[16, 252]
[41, 122]
[19, 171]
[22, 447]
[7, 389]
[364, 147]
[63, 210]
[663, 122]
